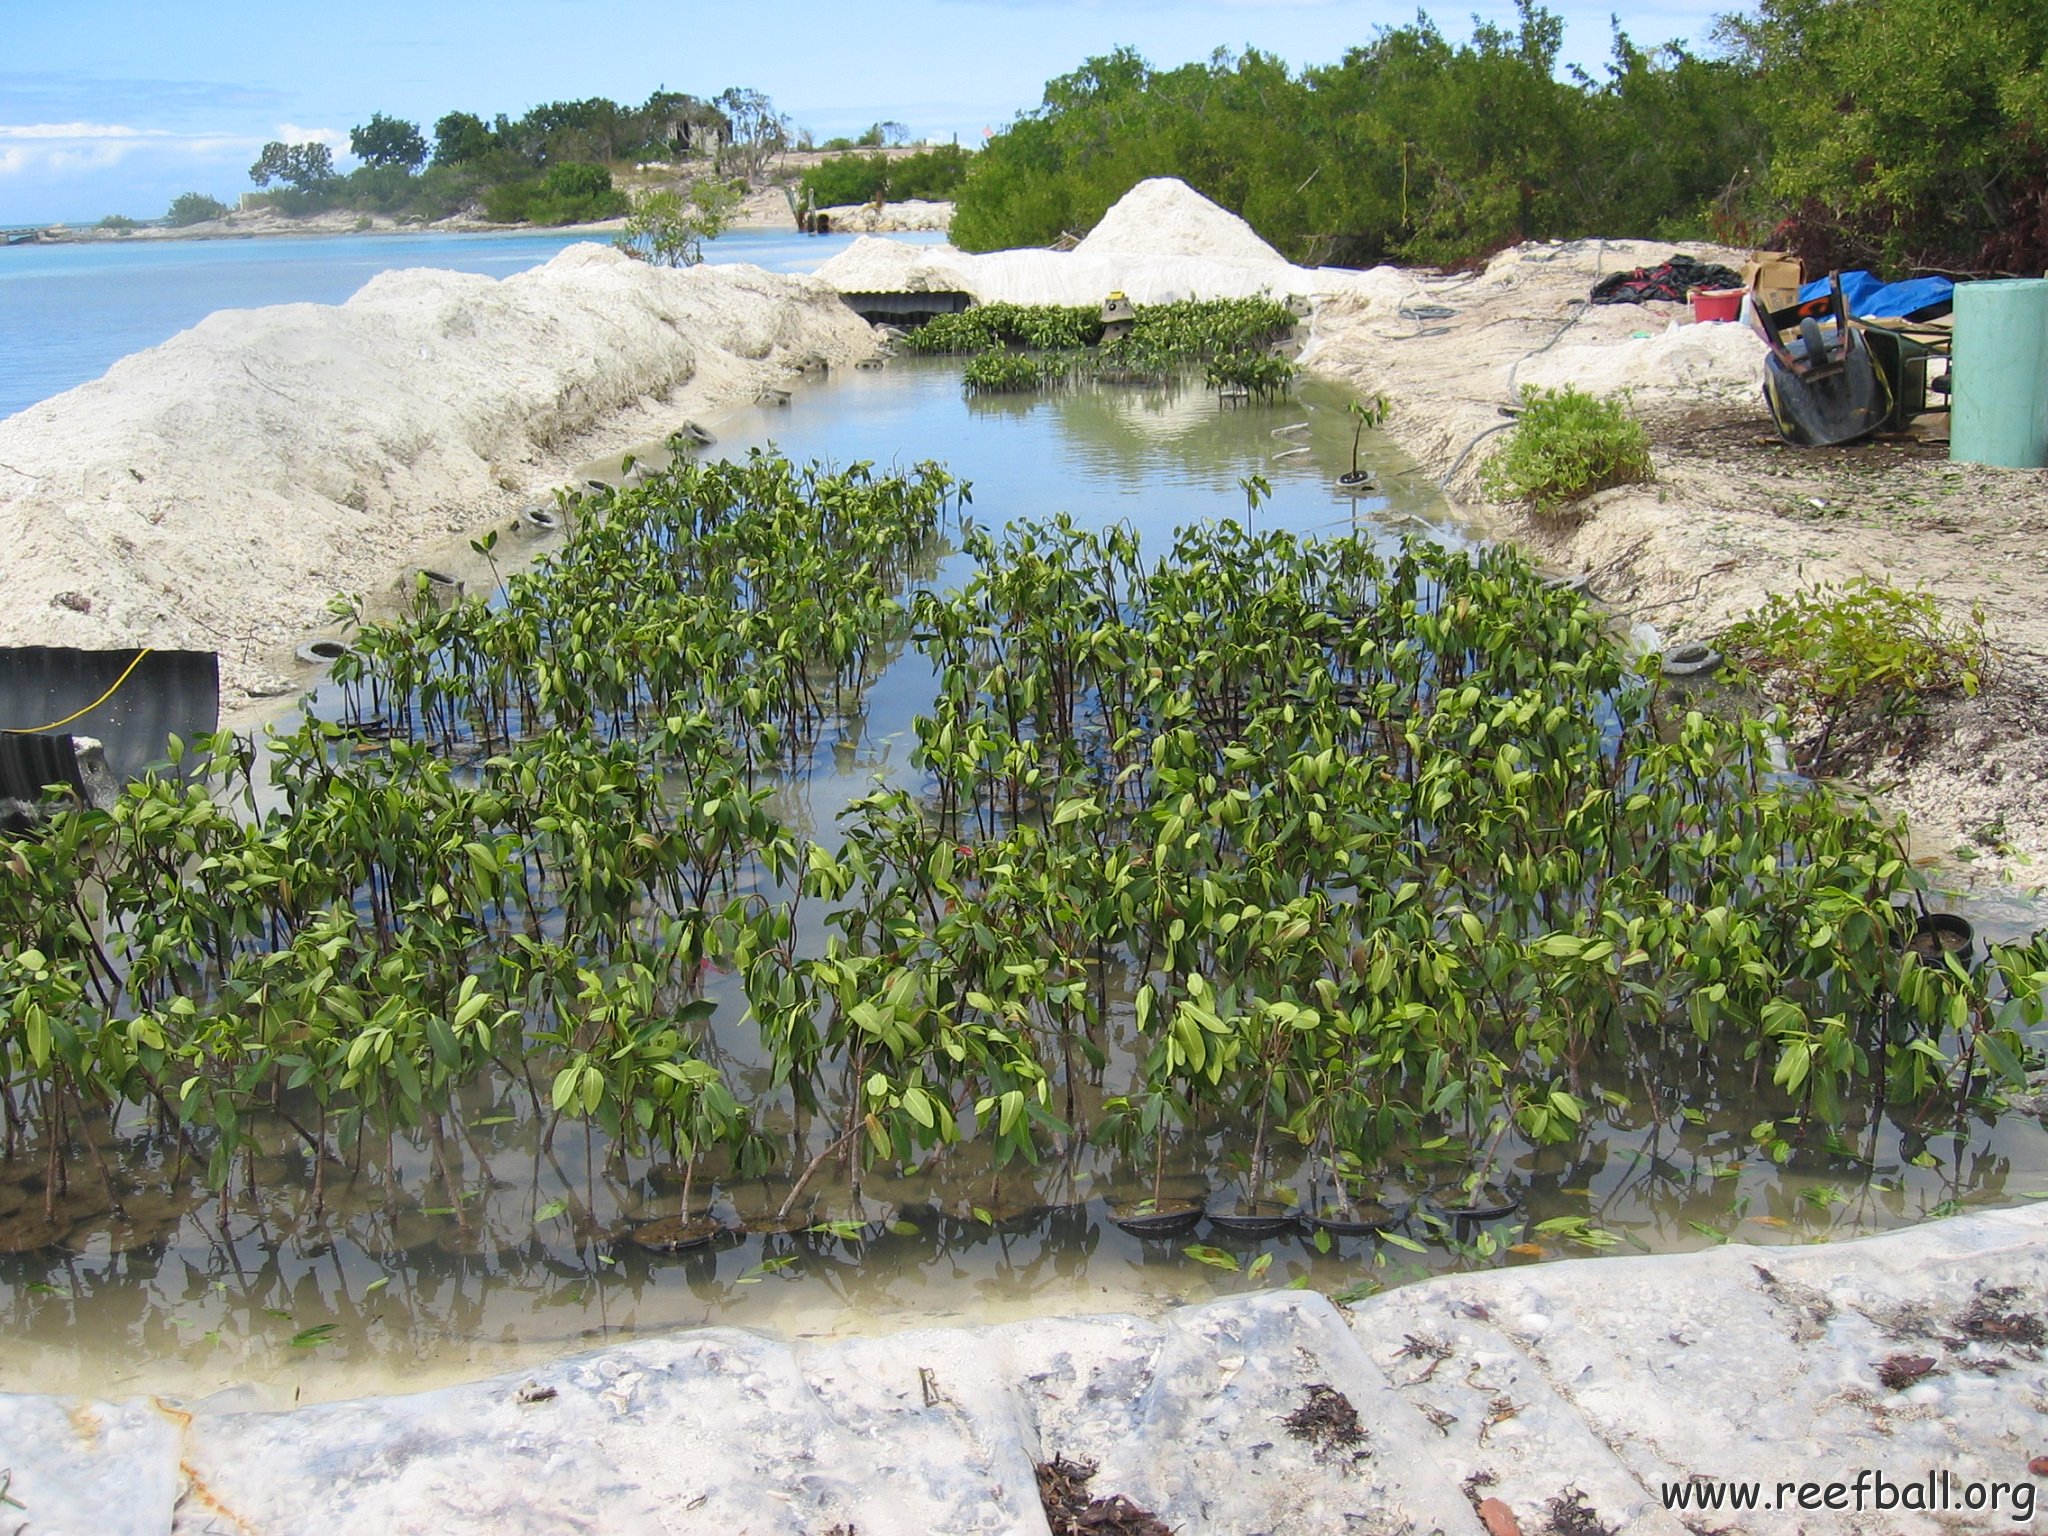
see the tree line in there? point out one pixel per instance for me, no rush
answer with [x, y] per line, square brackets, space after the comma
[1899, 133]
[550, 165]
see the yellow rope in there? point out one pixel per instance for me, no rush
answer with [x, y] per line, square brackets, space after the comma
[32, 730]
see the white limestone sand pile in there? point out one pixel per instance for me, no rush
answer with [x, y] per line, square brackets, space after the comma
[1165, 217]
[215, 491]
[1162, 241]
[875, 265]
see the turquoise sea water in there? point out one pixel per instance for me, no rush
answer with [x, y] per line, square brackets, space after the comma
[69, 312]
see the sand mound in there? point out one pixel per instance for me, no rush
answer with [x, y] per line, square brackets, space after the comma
[1167, 217]
[874, 265]
[1694, 359]
[215, 491]
[1163, 241]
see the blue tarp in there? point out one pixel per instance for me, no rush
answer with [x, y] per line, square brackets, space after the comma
[1918, 298]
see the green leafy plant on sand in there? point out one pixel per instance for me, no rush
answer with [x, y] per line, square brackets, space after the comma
[1567, 445]
[1853, 664]
[666, 231]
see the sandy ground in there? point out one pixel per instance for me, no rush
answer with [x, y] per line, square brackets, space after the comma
[1735, 514]
[215, 491]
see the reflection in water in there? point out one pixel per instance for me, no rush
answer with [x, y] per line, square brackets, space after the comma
[389, 1284]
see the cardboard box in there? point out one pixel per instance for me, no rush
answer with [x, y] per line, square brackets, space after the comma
[1774, 277]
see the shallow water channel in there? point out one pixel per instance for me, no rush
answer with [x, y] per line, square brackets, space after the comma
[185, 1293]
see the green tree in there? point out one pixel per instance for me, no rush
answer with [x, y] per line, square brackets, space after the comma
[930, 174]
[668, 232]
[845, 179]
[388, 141]
[194, 208]
[461, 138]
[756, 132]
[304, 167]
[1907, 132]
[576, 192]
[1411, 147]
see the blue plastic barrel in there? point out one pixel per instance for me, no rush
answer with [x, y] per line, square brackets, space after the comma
[2000, 389]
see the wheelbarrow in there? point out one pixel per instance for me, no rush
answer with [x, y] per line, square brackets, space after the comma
[1830, 378]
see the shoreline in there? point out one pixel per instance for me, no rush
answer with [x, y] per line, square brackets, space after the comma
[763, 208]
[314, 227]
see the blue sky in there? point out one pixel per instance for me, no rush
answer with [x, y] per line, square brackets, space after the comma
[116, 106]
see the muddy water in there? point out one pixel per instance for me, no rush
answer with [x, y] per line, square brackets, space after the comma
[397, 1282]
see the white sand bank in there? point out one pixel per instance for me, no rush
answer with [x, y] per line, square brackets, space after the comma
[215, 491]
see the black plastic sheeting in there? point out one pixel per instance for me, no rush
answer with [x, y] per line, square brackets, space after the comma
[905, 308]
[28, 766]
[169, 693]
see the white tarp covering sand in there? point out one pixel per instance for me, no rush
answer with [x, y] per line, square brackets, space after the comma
[215, 491]
[1574, 1396]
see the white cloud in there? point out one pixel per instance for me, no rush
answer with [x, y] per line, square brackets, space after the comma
[333, 138]
[43, 148]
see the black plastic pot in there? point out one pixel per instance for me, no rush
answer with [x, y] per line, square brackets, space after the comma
[1354, 1218]
[1489, 1202]
[1260, 1218]
[1173, 1219]
[1937, 934]
[679, 1234]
